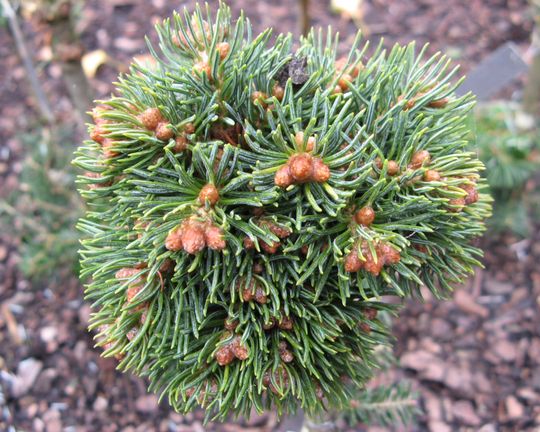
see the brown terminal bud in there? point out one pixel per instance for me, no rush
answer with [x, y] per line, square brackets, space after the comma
[301, 167]
[281, 377]
[299, 141]
[223, 49]
[150, 118]
[209, 192]
[283, 346]
[456, 204]
[388, 255]
[355, 69]
[130, 335]
[239, 350]
[472, 193]
[203, 32]
[420, 158]
[267, 379]
[173, 242]
[337, 90]
[377, 162]
[107, 146]
[345, 81]
[365, 327]
[286, 356]
[144, 315]
[189, 128]
[248, 243]
[193, 239]
[319, 392]
[224, 355]
[164, 132]
[352, 261]
[392, 168]
[126, 273]
[259, 98]
[217, 160]
[260, 295]
[438, 103]
[270, 325]
[321, 171]
[310, 145]
[432, 175]
[133, 290]
[203, 67]
[231, 324]
[421, 248]
[270, 248]
[180, 144]
[278, 230]
[286, 323]
[97, 134]
[372, 266]
[214, 238]
[167, 265]
[278, 92]
[365, 216]
[283, 177]
[247, 294]
[370, 313]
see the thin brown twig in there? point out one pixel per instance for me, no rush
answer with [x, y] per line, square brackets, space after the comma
[477, 282]
[43, 104]
[11, 322]
[305, 21]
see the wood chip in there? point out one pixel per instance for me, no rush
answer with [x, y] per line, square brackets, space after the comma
[468, 304]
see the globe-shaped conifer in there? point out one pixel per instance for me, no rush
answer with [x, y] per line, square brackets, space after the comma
[250, 204]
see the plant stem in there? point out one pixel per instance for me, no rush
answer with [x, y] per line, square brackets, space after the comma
[305, 22]
[43, 104]
[531, 95]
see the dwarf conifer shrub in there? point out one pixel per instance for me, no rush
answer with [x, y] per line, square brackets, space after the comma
[249, 205]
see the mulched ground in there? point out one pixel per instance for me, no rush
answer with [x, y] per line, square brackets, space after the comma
[474, 360]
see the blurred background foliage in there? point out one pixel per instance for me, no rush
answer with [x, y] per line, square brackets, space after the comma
[508, 142]
[43, 210]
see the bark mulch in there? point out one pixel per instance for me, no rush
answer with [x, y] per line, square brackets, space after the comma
[474, 359]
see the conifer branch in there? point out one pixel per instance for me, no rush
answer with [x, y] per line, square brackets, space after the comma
[250, 206]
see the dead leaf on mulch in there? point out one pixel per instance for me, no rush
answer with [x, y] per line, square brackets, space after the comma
[92, 60]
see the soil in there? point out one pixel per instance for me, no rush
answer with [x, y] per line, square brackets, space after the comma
[474, 360]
